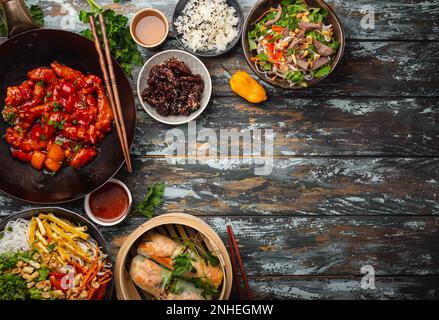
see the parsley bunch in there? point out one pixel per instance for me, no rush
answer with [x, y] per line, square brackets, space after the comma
[122, 46]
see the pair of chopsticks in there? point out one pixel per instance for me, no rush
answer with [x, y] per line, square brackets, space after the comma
[236, 259]
[111, 86]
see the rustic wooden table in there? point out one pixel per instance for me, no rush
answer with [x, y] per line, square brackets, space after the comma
[356, 170]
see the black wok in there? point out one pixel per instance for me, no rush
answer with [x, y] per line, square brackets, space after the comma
[39, 47]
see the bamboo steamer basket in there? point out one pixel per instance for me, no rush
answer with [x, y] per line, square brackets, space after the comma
[174, 225]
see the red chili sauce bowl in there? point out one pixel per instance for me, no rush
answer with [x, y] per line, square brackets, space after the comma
[110, 204]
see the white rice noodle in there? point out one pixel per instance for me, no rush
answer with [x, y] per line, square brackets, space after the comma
[15, 236]
[207, 25]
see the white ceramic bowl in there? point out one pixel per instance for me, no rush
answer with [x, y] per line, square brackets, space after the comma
[196, 66]
[108, 223]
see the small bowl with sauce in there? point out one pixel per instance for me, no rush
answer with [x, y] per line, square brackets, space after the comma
[149, 28]
[110, 204]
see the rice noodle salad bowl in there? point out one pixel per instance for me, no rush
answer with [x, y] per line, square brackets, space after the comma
[207, 28]
[53, 254]
[292, 44]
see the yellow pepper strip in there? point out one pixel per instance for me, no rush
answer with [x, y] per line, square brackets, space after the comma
[33, 225]
[47, 228]
[41, 238]
[81, 228]
[74, 250]
[62, 252]
[41, 248]
[247, 87]
[70, 243]
[40, 227]
[64, 225]
[60, 233]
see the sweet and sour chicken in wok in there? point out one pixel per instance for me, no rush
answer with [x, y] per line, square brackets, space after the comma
[57, 117]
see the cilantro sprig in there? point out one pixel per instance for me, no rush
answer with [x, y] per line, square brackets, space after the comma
[183, 264]
[152, 199]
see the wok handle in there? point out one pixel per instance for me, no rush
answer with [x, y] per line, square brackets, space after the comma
[18, 18]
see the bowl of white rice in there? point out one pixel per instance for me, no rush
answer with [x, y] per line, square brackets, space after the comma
[207, 28]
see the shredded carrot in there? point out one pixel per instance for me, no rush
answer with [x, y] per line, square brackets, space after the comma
[88, 275]
[104, 282]
[105, 275]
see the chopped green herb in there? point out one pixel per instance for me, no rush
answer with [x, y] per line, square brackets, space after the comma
[183, 264]
[51, 246]
[37, 14]
[206, 285]
[263, 57]
[59, 125]
[153, 198]
[211, 259]
[44, 271]
[59, 142]
[43, 137]
[9, 117]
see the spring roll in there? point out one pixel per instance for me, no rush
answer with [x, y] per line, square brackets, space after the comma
[149, 276]
[160, 249]
[184, 290]
[164, 250]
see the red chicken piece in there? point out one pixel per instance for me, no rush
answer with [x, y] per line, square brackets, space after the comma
[57, 117]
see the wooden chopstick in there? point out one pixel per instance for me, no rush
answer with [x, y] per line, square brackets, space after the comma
[111, 86]
[115, 89]
[234, 268]
[235, 250]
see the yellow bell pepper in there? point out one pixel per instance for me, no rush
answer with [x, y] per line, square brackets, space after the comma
[247, 87]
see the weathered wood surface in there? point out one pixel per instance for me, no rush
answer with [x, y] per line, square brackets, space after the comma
[345, 288]
[326, 246]
[317, 126]
[296, 187]
[356, 170]
[396, 20]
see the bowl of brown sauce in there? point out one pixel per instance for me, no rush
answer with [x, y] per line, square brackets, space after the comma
[110, 204]
[149, 28]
